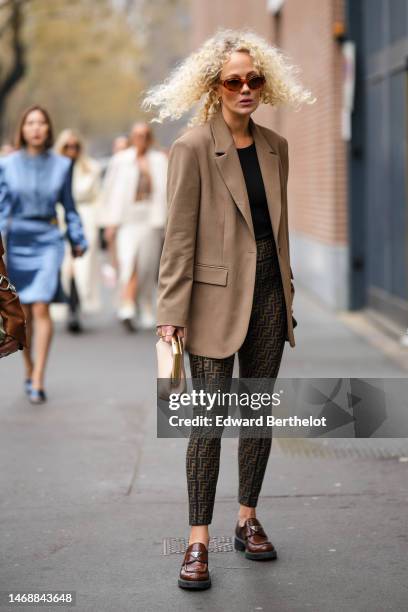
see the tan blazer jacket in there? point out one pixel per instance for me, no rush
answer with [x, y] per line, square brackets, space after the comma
[208, 262]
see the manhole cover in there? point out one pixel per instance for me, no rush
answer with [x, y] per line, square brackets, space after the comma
[177, 546]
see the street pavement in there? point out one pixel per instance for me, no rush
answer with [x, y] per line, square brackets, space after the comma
[89, 494]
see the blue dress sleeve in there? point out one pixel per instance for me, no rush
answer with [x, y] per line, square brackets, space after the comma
[5, 201]
[75, 232]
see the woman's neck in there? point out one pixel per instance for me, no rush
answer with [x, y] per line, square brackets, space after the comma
[238, 124]
[34, 150]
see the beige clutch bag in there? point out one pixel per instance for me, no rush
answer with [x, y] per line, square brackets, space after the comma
[171, 373]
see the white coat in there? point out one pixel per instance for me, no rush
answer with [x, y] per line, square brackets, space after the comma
[120, 186]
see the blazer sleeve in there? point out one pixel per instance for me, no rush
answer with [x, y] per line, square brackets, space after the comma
[75, 230]
[285, 157]
[177, 259]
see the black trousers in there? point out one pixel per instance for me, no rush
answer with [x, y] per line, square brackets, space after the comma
[259, 357]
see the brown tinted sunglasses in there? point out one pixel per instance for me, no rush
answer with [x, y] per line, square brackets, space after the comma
[74, 146]
[236, 83]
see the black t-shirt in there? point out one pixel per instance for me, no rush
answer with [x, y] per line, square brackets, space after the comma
[256, 191]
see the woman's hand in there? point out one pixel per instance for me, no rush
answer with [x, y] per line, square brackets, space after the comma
[166, 332]
[78, 251]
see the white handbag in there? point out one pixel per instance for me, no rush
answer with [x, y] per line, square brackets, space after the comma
[171, 374]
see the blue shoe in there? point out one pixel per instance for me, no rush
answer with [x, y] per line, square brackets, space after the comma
[27, 386]
[37, 396]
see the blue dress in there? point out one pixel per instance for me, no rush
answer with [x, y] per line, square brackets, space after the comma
[30, 188]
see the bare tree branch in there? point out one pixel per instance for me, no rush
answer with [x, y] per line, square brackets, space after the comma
[18, 67]
[18, 64]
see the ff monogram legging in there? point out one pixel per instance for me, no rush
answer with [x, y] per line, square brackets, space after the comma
[259, 357]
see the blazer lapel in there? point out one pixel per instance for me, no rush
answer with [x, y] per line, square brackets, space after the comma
[227, 160]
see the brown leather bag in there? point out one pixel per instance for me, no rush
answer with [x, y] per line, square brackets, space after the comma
[12, 321]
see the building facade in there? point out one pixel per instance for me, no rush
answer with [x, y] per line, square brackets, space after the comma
[378, 158]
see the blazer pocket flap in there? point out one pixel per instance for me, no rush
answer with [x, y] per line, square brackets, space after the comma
[213, 275]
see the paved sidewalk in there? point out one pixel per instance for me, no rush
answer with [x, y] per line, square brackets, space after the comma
[89, 493]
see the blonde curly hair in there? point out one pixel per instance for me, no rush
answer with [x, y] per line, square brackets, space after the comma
[193, 82]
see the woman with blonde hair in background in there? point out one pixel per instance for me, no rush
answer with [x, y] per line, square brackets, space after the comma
[225, 281]
[134, 214]
[81, 277]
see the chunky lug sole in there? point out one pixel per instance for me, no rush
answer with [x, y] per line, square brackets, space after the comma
[240, 545]
[195, 585]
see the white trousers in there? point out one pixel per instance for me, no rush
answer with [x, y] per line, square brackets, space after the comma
[138, 249]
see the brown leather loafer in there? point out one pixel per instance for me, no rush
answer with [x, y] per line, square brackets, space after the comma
[252, 539]
[194, 572]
